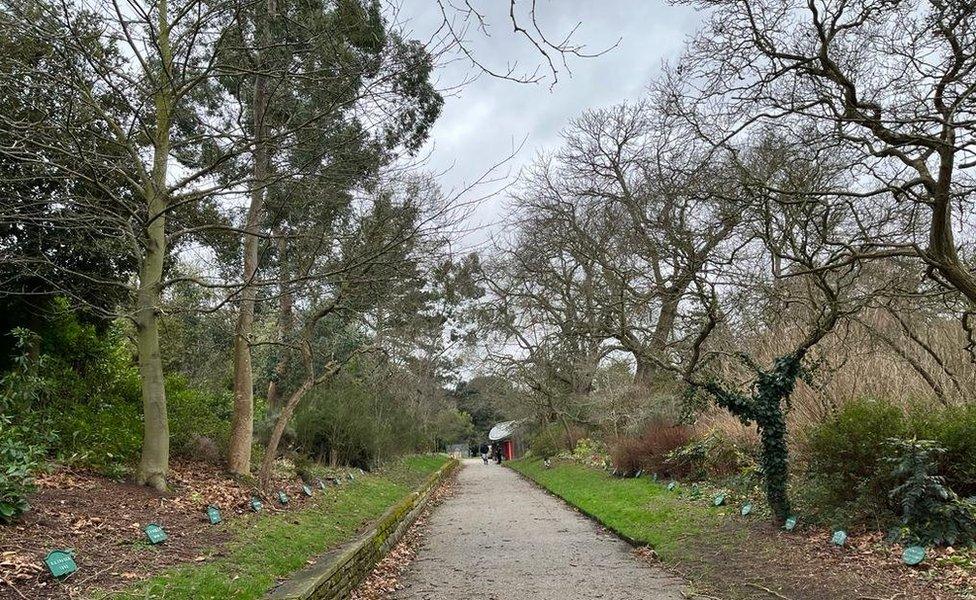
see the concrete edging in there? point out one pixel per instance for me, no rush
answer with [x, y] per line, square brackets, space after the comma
[338, 572]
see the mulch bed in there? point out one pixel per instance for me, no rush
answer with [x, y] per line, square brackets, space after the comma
[102, 521]
[805, 566]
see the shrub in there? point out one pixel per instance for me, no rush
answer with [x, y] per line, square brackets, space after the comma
[549, 441]
[649, 451]
[930, 512]
[105, 437]
[845, 457]
[195, 414]
[714, 456]
[22, 446]
[955, 431]
[590, 452]
[19, 459]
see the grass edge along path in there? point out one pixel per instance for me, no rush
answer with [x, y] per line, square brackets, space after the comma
[268, 547]
[640, 511]
[720, 552]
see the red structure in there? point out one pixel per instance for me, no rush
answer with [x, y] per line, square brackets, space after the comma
[505, 436]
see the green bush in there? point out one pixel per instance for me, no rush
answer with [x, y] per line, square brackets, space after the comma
[196, 413]
[931, 513]
[22, 445]
[19, 459]
[955, 431]
[349, 422]
[105, 437]
[845, 460]
[714, 456]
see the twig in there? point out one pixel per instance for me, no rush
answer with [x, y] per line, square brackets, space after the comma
[767, 590]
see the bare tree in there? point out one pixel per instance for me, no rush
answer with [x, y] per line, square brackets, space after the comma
[889, 84]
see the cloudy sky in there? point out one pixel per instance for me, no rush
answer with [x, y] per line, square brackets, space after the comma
[486, 119]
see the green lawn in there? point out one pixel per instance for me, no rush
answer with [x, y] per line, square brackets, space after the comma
[640, 510]
[271, 546]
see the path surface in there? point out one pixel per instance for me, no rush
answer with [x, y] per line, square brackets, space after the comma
[499, 537]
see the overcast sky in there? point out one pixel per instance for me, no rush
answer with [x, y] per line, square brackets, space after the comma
[485, 120]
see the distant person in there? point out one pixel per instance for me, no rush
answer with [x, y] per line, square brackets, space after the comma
[498, 455]
[484, 455]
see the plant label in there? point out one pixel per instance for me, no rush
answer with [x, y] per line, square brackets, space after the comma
[913, 555]
[719, 500]
[840, 538]
[60, 563]
[283, 497]
[671, 486]
[790, 524]
[213, 514]
[322, 485]
[256, 505]
[155, 534]
[746, 509]
[306, 490]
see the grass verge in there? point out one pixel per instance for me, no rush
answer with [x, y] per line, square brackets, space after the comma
[641, 511]
[723, 554]
[268, 547]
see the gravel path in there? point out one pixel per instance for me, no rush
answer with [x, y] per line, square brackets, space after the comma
[499, 537]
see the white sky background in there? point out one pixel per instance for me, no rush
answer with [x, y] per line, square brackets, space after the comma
[485, 120]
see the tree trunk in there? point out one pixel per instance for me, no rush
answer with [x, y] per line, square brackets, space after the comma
[154, 463]
[155, 442]
[284, 416]
[286, 319]
[242, 423]
[772, 433]
[648, 375]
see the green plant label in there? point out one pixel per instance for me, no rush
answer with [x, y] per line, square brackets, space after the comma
[60, 563]
[746, 509]
[719, 500]
[213, 513]
[695, 491]
[654, 476]
[671, 486]
[640, 472]
[790, 524]
[322, 485]
[361, 472]
[283, 497]
[256, 505]
[352, 477]
[155, 534]
[306, 490]
[840, 538]
[913, 555]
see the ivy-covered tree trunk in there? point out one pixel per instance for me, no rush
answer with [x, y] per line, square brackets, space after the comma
[775, 461]
[765, 407]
